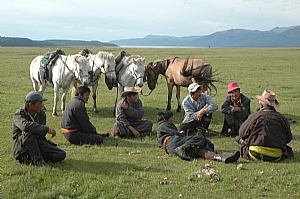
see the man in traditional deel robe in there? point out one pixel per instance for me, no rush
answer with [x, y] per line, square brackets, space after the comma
[186, 147]
[265, 134]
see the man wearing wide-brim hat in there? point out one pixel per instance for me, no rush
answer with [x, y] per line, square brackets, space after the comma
[129, 114]
[265, 134]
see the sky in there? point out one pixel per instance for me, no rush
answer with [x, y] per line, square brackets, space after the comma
[107, 20]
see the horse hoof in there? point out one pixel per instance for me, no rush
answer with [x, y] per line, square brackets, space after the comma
[178, 110]
[96, 111]
[54, 114]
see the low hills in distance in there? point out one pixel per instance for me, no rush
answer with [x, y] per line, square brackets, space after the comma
[278, 37]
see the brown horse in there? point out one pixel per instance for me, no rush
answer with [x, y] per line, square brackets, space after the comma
[180, 72]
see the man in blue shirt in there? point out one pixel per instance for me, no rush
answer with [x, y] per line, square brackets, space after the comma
[198, 109]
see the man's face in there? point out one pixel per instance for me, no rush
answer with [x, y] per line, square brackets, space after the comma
[132, 98]
[235, 95]
[85, 96]
[197, 95]
[37, 107]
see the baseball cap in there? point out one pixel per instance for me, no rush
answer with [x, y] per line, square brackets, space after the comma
[33, 96]
[193, 87]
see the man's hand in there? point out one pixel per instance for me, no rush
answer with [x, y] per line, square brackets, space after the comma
[26, 133]
[52, 132]
[124, 105]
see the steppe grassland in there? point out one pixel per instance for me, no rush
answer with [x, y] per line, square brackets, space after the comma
[133, 168]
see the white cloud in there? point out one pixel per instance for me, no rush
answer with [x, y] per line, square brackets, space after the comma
[116, 19]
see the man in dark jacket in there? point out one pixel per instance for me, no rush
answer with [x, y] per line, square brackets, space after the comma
[186, 147]
[129, 114]
[76, 125]
[265, 134]
[29, 129]
[236, 110]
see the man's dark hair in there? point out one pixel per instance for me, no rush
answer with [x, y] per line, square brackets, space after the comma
[131, 94]
[82, 89]
[164, 115]
[32, 102]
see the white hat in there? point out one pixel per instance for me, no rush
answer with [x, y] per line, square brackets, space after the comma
[130, 89]
[193, 87]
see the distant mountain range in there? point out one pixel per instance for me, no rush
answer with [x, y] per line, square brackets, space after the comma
[24, 42]
[277, 37]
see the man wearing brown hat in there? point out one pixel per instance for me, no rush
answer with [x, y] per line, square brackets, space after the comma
[29, 130]
[129, 114]
[265, 134]
[236, 110]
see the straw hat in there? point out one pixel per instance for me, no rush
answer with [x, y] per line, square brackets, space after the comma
[268, 97]
[130, 89]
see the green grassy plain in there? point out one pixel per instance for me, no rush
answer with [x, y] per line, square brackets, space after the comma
[134, 168]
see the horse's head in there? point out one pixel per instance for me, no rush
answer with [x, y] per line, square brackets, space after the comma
[137, 69]
[151, 75]
[107, 66]
[120, 56]
[82, 69]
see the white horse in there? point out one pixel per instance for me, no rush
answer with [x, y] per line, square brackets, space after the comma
[130, 72]
[64, 71]
[102, 62]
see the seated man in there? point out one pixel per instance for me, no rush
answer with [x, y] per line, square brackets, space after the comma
[265, 134]
[186, 147]
[198, 109]
[76, 125]
[29, 130]
[236, 109]
[129, 113]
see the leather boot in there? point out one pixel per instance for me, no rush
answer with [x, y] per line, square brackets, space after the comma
[227, 158]
[41, 163]
[181, 152]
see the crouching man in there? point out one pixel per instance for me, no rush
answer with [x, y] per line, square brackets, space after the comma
[29, 129]
[186, 147]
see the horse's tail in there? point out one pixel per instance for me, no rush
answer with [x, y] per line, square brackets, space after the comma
[183, 70]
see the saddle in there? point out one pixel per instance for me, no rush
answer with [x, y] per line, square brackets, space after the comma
[48, 62]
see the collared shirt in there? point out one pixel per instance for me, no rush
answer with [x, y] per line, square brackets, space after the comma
[192, 107]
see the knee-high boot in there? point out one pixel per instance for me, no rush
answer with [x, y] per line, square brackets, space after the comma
[181, 151]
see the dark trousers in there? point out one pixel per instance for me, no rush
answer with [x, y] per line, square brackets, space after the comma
[204, 122]
[40, 149]
[83, 138]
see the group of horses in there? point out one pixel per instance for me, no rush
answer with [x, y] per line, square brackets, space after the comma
[85, 68]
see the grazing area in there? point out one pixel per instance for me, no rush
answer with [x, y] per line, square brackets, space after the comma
[137, 168]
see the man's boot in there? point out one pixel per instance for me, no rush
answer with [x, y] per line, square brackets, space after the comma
[233, 132]
[181, 152]
[40, 163]
[227, 158]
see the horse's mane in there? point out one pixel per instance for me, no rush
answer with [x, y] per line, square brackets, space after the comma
[85, 52]
[105, 55]
[129, 60]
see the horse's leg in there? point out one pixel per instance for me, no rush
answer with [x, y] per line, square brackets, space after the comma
[63, 98]
[121, 88]
[41, 91]
[170, 90]
[56, 93]
[178, 98]
[94, 88]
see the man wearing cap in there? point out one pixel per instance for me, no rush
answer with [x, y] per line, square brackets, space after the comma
[76, 125]
[29, 130]
[236, 110]
[129, 113]
[198, 109]
[265, 134]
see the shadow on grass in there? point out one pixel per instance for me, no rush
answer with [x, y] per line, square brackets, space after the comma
[108, 168]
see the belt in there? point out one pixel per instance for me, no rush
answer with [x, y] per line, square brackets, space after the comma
[69, 130]
[165, 143]
[260, 157]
